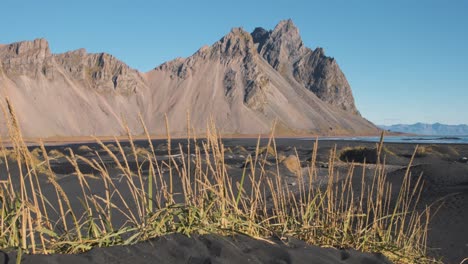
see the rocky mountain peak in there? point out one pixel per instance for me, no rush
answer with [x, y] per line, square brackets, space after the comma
[287, 29]
[101, 71]
[284, 50]
[38, 48]
[260, 36]
[280, 46]
[237, 43]
[24, 57]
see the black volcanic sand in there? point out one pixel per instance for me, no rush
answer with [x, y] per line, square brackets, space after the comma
[442, 167]
[177, 248]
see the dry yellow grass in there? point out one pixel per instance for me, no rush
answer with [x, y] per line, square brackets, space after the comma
[292, 163]
[268, 150]
[142, 152]
[8, 153]
[210, 202]
[84, 149]
[54, 153]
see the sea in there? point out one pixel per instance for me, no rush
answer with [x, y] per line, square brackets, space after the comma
[405, 139]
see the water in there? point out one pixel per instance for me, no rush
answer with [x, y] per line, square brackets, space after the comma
[405, 139]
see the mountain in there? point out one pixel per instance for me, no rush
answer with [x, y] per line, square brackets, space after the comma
[244, 82]
[436, 129]
[285, 52]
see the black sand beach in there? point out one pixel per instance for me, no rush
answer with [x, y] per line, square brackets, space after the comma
[442, 168]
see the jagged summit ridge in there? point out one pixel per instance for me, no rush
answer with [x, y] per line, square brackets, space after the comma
[281, 45]
[38, 48]
[285, 51]
[25, 57]
[244, 82]
[236, 43]
[101, 71]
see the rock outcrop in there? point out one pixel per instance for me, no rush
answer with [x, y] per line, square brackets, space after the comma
[29, 58]
[284, 50]
[102, 71]
[244, 82]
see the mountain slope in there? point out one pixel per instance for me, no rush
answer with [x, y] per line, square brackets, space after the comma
[235, 82]
[67, 94]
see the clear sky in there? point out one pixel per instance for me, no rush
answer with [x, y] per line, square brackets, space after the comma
[406, 61]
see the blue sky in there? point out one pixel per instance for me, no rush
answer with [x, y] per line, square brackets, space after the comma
[406, 61]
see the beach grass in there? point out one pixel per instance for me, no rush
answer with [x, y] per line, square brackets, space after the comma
[260, 205]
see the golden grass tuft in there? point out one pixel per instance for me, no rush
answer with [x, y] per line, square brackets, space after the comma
[358, 154]
[292, 163]
[142, 152]
[36, 152]
[112, 147]
[55, 154]
[84, 149]
[423, 151]
[240, 150]
[268, 150]
[8, 153]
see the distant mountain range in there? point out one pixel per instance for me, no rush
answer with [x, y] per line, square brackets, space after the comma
[244, 83]
[436, 129]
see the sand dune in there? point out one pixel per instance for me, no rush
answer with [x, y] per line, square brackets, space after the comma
[209, 249]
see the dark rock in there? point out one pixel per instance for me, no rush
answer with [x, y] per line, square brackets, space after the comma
[284, 50]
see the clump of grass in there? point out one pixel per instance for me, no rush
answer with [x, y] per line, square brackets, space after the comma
[84, 149]
[267, 150]
[8, 153]
[240, 150]
[112, 147]
[36, 153]
[292, 163]
[55, 154]
[423, 151]
[141, 152]
[359, 154]
[209, 201]
[228, 151]
[388, 151]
